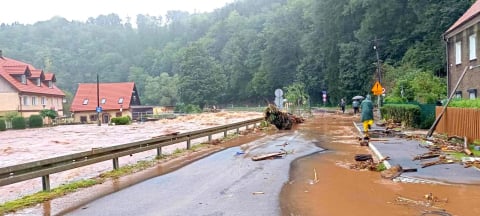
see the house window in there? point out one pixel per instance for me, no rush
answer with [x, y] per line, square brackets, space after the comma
[83, 119]
[458, 94]
[44, 101]
[104, 100]
[25, 100]
[118, 114]
[38, 81]
[472, 94]
[458, 52]
[472, 42]
[93, 117]
[120, 100]
[85, 101]
[50, 84]
[34, 100]
[24, 79]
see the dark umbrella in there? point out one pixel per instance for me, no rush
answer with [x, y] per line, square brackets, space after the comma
[358, 97]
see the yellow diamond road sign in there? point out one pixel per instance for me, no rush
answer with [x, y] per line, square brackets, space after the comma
[377, 89]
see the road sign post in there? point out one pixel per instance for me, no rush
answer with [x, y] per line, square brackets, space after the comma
[378, 90]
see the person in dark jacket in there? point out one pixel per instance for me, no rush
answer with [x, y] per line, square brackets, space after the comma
[342, 105]
[367, 114]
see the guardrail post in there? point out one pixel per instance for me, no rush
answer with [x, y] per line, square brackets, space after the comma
[115, 163]
[238, 130]
[188, 143]
[159, 151]
[46, 183]
[209, 138]
[246, 126]
[225, 133]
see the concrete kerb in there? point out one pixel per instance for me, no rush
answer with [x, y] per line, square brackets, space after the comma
[373, 148]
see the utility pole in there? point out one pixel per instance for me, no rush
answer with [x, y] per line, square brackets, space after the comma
[98, 103]
[379, 69]
[379, 72]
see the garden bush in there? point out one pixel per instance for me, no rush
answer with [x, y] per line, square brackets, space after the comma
[124, 120]
[408, 114]
[3, 126]
[18, 122]
[35, 121]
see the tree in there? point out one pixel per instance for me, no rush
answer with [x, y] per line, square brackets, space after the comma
[201, 79]
[297, 96]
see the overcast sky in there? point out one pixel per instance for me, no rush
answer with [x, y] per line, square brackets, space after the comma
[31, 11]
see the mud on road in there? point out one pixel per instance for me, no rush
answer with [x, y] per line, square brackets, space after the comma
[343, 191]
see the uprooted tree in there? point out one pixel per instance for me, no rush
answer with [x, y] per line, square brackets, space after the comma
[281, 120]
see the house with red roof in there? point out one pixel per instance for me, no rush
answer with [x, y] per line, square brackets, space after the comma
[114, 100]
[27, 90]
[463, 54]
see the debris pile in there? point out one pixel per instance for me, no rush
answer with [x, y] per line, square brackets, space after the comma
[432, 204]
[282, 120]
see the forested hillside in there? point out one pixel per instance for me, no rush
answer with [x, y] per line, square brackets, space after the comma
[242, 52]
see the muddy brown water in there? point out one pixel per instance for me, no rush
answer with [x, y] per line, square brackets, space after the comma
[343, 191]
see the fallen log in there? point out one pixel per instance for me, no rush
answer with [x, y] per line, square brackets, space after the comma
[268, 156]
[468, 152]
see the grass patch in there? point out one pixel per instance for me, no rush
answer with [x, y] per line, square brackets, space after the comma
[43, 196]
[128, 169]
[381, 167]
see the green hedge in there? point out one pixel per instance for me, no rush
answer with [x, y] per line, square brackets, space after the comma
[35, 121]
[465, 103]
[3, 126]
[18, 122]
[125, 120]
[408, 114]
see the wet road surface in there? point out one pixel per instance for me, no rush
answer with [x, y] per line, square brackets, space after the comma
[225, 183]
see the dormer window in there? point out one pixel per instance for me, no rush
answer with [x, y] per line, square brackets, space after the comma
[104, 100]
[38, 81]
[23, 79]
[50, 84]
[85, 101]
[120, 100]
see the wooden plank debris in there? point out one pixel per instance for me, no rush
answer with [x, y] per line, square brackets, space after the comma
[268, 156]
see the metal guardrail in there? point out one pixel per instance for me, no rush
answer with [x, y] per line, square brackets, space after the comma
[43, 168]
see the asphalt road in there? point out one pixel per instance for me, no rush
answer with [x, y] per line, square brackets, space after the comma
[225, 183]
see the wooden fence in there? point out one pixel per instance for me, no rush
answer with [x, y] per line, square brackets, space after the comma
[459, 122]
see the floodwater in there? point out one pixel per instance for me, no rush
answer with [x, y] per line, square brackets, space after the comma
[344, 191]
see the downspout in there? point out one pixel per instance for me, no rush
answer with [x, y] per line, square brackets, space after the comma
[448, 64]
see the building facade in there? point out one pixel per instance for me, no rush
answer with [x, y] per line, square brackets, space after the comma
[27, 90]
[462, 50]
[114, 100]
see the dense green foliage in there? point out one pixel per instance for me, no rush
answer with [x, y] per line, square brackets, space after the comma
[188, 108]
[19, 123]
[408, 114]
[3, 125]
[35, 121]
[297, 96]
[465, 103]
[124, 120]
[242, 52]
[51, 114]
